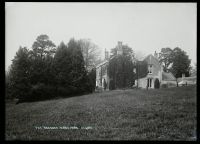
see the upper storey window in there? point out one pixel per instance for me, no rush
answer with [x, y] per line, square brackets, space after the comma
[150, 69]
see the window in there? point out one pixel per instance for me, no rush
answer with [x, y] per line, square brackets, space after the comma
[150, 69]
[149, 81]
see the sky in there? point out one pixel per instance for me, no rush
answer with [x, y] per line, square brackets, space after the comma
[145, 27]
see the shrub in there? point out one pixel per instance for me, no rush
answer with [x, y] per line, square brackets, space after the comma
[112, 85]
[41, 91]
[67, 91]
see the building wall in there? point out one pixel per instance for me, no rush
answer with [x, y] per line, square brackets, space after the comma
[156, 72]
[101, 74]
[156, 65]
[142, 83]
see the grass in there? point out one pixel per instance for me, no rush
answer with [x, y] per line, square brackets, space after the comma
[164, 114]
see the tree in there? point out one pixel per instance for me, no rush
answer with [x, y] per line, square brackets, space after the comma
[193, 69]
[78, 71]
[127, 51]
[62, 66]
[8, 84]
[141, 69]
[121, 68]
[181, 63]
[139, 55]
[20, 74]
[43, 46]
[41, 57]
[69, 67]
[165, 58]
[92, 80]
[90, 53]
[41, 77]
[121, 72]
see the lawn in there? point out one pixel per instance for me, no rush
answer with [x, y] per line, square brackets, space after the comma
[164, 114]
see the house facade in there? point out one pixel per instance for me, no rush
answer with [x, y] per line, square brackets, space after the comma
[155, 74]
[102, 77]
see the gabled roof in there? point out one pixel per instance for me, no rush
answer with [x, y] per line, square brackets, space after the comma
[168, 76]
[194, 73]
[150, 59]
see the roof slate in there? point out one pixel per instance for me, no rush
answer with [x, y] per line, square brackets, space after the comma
[168, 76]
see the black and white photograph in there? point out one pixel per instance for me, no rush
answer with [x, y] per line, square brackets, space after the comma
[101, 71]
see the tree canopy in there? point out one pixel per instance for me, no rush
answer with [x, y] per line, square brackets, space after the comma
[90, 53]
[175, 60]
[45, 72]
[19, 75]
[165, 58]
[43, 46]
[181, 63]
[127, 51]
[121, 68]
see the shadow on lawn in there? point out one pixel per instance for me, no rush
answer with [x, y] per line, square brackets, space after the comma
[18, 101]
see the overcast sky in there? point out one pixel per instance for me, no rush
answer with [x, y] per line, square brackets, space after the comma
[146, 27]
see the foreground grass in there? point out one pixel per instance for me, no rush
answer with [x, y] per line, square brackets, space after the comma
[164, 114]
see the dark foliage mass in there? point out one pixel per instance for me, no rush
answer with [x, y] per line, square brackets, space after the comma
[120, 69]
[46, 72]
[176, 61]
[142, 69]
[181, 63]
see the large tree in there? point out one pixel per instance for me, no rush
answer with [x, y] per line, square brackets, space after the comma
[8, 84]
[127, 51]
[41, 55]
[43, 46]
[165, 58]
[19, 75]
[90, 53]
[62, 65]
[121, 68]
[78, 72]
[141, 69]
[181, 63]
[69, 67]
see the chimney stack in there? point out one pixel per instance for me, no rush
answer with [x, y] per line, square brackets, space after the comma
[119, 44]
[156, 55]
[106, 55]
[119, 48]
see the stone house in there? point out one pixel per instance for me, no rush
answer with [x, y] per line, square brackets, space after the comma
[155, 73]
[102, 69]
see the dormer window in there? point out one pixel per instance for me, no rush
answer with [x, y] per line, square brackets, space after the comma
[150, 69]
